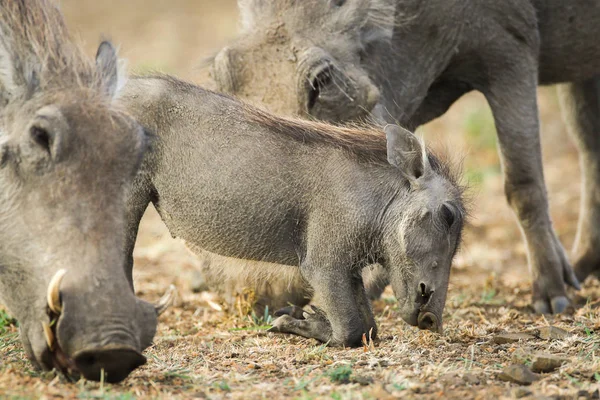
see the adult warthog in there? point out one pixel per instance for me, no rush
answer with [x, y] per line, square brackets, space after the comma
[409, 60]
[312, 197]
[67, 160]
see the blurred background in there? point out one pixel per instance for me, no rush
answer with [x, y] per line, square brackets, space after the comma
[175, 36]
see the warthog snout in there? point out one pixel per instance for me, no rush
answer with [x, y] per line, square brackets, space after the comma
[95, 336]
[426, 318]
[115, 363]
[423, 306]
[430, 322]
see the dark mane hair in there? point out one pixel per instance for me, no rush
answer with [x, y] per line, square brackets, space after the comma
[366, 142]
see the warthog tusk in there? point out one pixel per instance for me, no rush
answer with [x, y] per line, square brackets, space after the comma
[49, 335]
[166, 301]
[54, 291]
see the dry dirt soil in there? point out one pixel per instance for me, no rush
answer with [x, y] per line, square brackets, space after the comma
[201, 351]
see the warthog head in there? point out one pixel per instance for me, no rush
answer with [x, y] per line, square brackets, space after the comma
[305, 57]
[423, 230]
[67, 159]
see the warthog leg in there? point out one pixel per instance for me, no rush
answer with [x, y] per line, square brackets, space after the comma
[344, 314]
[513, 99]
[299, 322]
[364, 305]
[581, 106]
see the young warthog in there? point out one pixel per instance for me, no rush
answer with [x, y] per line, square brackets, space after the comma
[67, 160]
[409, 60]
[325, 200]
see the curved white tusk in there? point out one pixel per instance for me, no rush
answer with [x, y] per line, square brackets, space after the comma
[49, 335]
[54, 291]
[166, 301]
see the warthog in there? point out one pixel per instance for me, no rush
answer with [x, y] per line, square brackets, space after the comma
[408, 60]
[326, 201]
[67, 160]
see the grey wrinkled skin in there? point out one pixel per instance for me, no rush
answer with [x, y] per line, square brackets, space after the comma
[68, 157]
[291, 194]
[407, 61]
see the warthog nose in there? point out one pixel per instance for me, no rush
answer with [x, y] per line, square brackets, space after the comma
[424, 293]
[430, 322]
[112, 364]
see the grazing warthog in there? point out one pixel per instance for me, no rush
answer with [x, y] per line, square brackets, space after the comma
[408, 60]
[327, 201]
[67, 160]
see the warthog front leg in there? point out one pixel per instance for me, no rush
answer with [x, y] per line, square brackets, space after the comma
[512, 98]
[345, 315]
[137, 203]
[295, 320]
[581, 105]
[316, 325]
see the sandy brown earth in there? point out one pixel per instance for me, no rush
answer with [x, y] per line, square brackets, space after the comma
[202, 352]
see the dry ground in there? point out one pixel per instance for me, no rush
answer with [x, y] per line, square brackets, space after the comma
[205, 353]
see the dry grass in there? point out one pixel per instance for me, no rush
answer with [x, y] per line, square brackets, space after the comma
[204, 353]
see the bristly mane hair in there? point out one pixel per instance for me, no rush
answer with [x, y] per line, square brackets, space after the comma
[366, 142]
[35, 39]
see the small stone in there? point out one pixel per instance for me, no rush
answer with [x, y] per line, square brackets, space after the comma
[547, 362]
[361, 380]
[518, 373]
[504, 338]
[471, 379]
[520, 392]
[449, 379]
[553, 333]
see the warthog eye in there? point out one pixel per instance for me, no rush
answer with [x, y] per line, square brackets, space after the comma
[3, 156]
[318, 84]
[338, 3]
[447, 215]
[41, 137]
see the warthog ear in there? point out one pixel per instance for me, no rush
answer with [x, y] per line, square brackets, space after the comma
[375, 19]
[18, 77]
[112, 78]
[380, 22]
[406, 152]
[8, 84]
[223, 71]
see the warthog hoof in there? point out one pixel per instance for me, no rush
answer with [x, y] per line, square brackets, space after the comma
[554, 275]
[558, 305]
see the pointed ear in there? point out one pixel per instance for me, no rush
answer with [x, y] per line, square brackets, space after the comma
[18, 77]
[406, 152]
[112, 79]
[380, 22]
[223, 70]
[8, 85]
